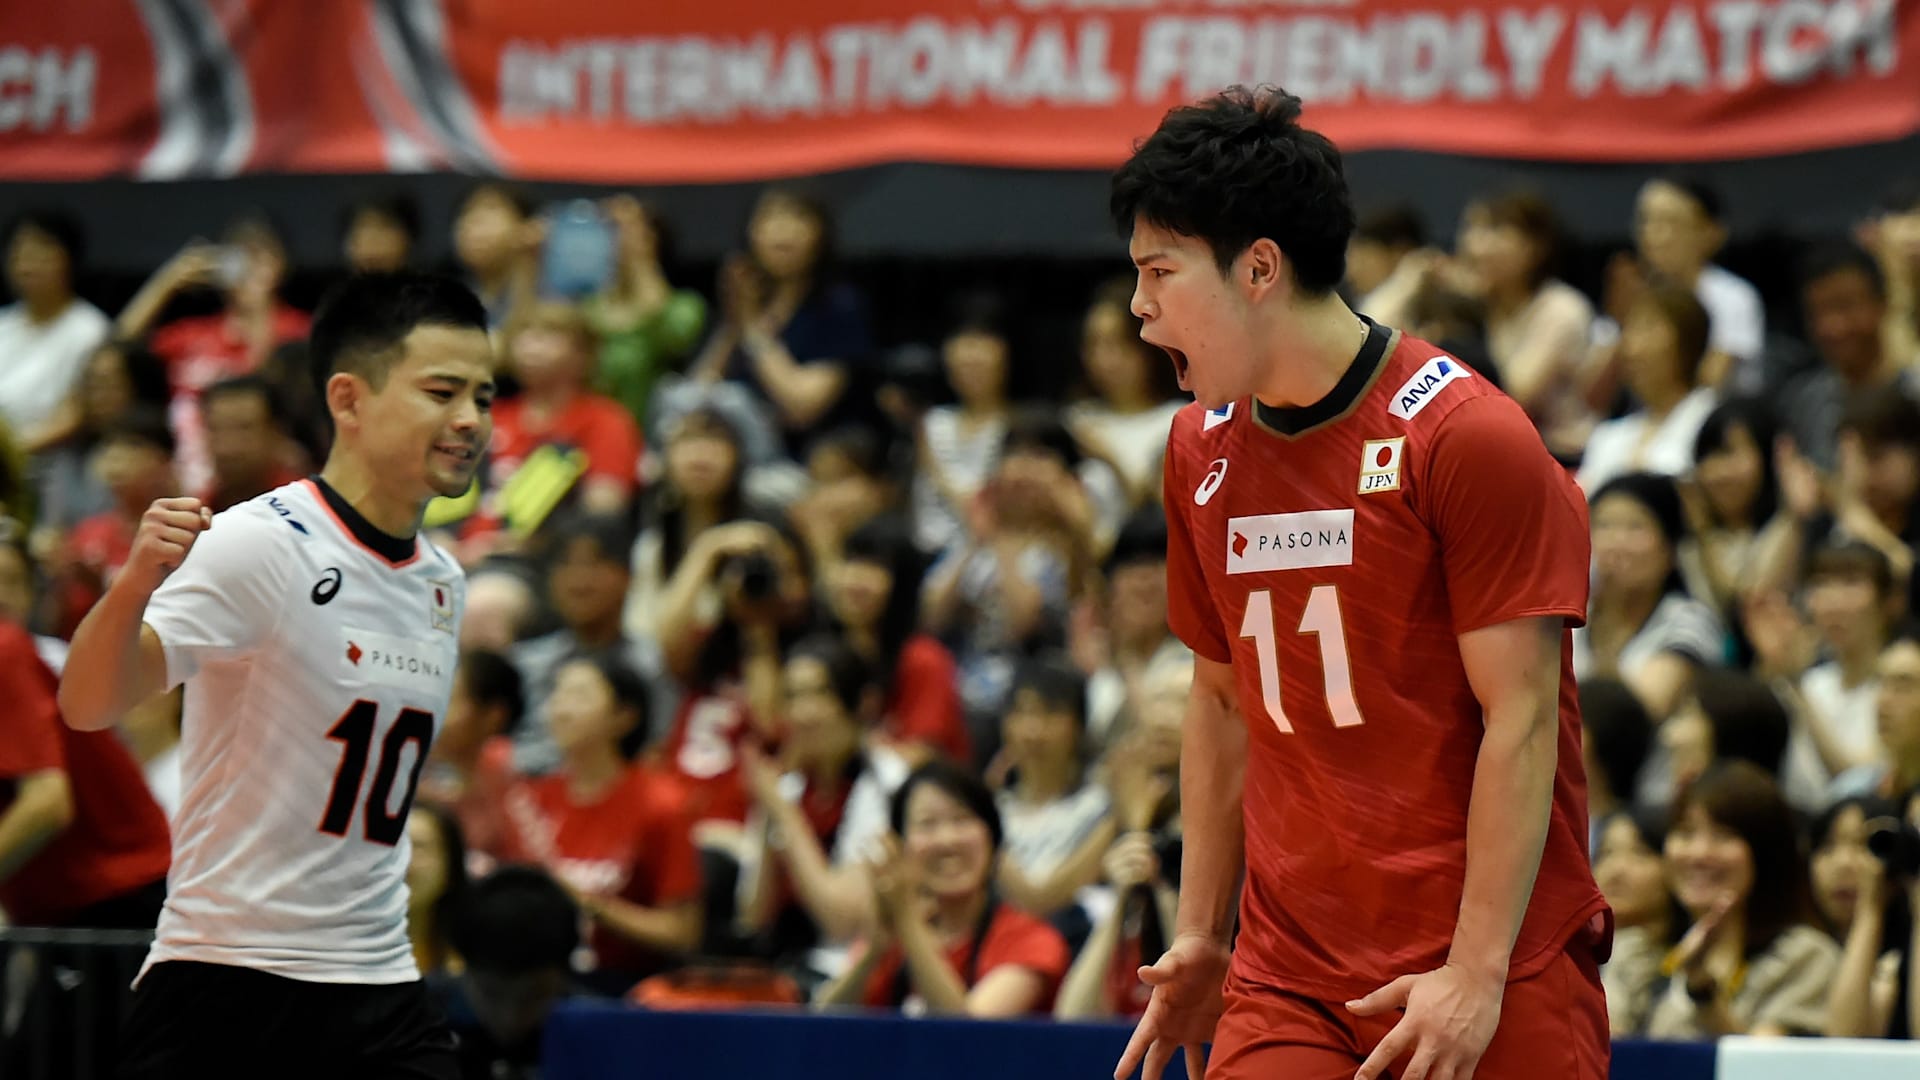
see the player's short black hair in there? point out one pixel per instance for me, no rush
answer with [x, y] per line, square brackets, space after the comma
[363, 323]
[1056, 682]
[491, 679]
[1142, 539]
[59, 226]
[848, 674]
[1395, 226]
[629, 692]
[1237, 167]
[1824, 260]
[516, 921]
[145, 425]
[961, 783]
[1619, 731]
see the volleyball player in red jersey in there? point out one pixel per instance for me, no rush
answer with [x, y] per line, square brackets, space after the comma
[1377, 565]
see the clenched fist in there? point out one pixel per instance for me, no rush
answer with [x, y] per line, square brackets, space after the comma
[167, 532]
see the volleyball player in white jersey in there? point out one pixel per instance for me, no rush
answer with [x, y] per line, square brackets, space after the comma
[315, 631]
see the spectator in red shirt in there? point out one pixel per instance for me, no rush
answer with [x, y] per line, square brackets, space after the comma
[246, 440]
[613, 832]
[874, 596]
[946, 943]
[82, 844]
[470, 766]
[135, 463]
[247, 268]
[531, 462]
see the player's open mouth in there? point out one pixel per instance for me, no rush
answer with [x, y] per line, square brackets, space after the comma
[1179, 363]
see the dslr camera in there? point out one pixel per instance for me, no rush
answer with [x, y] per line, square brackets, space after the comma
[1895, 842]
[756, 575]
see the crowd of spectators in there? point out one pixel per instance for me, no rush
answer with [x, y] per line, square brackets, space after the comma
[799, 668]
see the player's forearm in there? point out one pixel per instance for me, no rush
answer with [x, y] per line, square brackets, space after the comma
[105, 674]
[1507, 818]
[1213, 759]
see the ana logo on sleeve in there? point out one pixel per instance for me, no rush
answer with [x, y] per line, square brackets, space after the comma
[1425, 384]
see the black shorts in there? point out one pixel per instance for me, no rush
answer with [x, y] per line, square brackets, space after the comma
[194, 1020]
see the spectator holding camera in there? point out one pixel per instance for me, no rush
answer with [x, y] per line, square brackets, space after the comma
[247, 268]
[647, 327]
[47, 333]
[738, 599]
[1750, 962]
[945, 943]
[1878, 859]
[788, 333]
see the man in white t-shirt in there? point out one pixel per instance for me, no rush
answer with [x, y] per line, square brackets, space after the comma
[315, 631]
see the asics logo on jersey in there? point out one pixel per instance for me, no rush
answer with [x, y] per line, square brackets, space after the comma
[1427, 382]
[327, 587]
[1210, 483]
[287, 515]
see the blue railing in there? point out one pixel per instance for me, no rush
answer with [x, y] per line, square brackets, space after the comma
[605, 1042]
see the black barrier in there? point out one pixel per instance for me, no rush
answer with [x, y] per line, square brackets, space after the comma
[63, 997]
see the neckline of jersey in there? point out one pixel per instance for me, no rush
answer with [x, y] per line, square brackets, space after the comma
[1291, 422]
[394, 549]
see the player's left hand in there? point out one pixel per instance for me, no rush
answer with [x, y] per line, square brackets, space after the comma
[1451, 1015]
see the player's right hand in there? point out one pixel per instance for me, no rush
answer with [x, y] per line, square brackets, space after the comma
[1185, 1007]
[167, 532]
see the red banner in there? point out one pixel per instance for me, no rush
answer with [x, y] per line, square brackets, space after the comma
[747, 89]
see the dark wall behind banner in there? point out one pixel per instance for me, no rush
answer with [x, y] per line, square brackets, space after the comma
[945, 211]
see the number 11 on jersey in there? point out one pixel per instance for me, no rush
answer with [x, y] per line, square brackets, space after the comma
[1321, 619]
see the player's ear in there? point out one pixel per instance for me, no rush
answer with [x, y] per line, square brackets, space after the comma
[1261, 266]
[345, 394]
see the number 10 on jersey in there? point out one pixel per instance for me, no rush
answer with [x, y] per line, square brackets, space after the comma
[1321, 619]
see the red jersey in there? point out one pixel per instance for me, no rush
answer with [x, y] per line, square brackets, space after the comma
[634, 842]
[703, 752]
[1333, 554]
[1012, 937]
[597, 426]
[117, 840]
[96, 550]
[924, 704]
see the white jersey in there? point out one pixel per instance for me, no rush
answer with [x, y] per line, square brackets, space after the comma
[318, 656]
